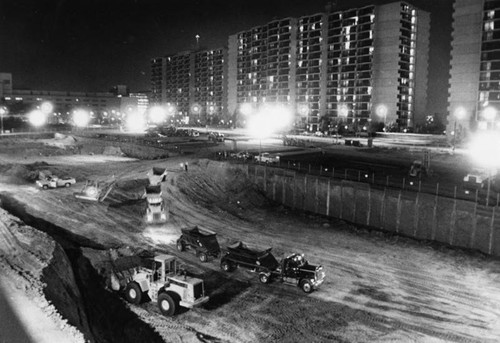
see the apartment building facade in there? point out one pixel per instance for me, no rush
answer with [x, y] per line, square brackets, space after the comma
[354, 66]
[474, 93]
[192, 84]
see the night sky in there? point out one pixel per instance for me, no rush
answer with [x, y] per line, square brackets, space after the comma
[92, 45]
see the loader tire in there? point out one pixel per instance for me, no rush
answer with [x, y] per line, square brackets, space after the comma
[45, 187]
[167, 304]
[180, 245]
[133, 293]
[67, 185]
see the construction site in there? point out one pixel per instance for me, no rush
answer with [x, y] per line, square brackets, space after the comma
[67, 255]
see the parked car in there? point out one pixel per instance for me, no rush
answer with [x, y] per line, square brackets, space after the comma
[54, 182]
[267, 158]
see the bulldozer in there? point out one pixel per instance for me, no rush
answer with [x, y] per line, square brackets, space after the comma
[95, 190]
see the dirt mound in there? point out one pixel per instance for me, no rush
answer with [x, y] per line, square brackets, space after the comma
[222, 189]
[113, 150]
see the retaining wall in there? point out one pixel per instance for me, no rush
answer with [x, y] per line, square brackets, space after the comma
[419, 215]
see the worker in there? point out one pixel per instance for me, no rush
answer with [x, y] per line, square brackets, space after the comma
[186, 166]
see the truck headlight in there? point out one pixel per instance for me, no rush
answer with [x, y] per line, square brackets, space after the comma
[163, 216]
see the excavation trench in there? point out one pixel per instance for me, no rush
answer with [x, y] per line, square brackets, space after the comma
[74, 287]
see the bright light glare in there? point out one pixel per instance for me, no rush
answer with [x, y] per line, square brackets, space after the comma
[268, 120]
[303, 110]
[47, 107]
[343, 111]
[246, 109]
[81, 118]
[136, 122]
[489, 113]
[460, 113]
[381, 110]
[37, 118]
[157, 114]
[484, 150]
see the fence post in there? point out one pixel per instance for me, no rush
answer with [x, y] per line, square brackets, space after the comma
[333, 172]
[398, 214]
[404, 182]
[387, 181]
[437, 189]
[316, 197]
[373, 178]
[359, 175]
[328, 200]
[492, 227]
[320, 169]
[419, 186]
[345, 174]
[303, 195]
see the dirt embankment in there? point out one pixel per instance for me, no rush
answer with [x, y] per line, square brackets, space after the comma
[25, 255]
[65, 283]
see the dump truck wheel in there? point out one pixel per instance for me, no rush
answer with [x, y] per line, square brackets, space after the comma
[167, 304]
[45, 187]
[226, 266]
[264, 278]
[180, 245]
[306, 286]
[133, 293]
[68, 185]
[203, 257]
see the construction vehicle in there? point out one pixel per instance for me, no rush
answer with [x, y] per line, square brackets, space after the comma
[156, 213]
[158, 278]
[157, 175]
[51, 181]
[95, 190]
[202, 241]
[293, 269]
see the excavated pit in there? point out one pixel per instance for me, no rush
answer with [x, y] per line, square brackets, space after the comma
[76, 289]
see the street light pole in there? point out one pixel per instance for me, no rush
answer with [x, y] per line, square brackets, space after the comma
[454, 135]
[2, 111]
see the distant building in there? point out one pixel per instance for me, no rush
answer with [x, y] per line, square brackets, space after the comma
[5, 84]
[474, 93]
[102, 106]
[193, 83]
[353, 66]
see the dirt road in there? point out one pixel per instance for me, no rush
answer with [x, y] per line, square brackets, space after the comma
[379, 288]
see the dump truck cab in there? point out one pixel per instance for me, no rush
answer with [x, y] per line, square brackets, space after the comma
[156, 212]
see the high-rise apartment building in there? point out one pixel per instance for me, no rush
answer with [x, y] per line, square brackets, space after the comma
[352, 66]
[209, 93]
[194, 83]
[474, 93]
